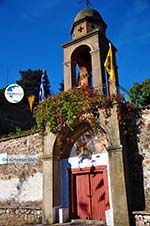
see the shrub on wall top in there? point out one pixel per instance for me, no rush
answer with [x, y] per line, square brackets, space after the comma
[63, 109]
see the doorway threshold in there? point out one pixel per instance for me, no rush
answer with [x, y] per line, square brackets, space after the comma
[82, 223]
[88, 222]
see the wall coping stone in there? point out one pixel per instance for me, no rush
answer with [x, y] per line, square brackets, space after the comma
[141, 212]
[25, 208]
[15, 136]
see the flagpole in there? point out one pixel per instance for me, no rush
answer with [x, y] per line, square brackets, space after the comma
[107, 83]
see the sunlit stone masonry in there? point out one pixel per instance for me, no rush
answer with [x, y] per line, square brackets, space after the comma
[21, 180]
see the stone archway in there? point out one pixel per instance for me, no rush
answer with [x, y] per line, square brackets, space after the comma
[51, 170]
[86, 189]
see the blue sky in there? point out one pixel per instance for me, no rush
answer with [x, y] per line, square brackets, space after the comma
[32, 31]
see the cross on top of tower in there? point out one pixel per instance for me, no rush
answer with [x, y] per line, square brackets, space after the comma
[87, 2]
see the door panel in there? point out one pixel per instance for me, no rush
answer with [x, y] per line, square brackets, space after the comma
[90, 194]
[98, 196]
[83, 201]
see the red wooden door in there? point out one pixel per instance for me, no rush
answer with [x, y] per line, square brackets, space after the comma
[82, 194]
[90, 195]
[98, 196]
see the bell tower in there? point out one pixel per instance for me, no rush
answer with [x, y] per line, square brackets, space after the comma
[85, 54]
[86, 57]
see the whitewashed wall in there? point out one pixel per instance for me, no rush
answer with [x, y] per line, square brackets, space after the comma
[29, 190]
[21, 178]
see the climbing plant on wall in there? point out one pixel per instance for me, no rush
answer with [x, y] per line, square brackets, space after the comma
[63, 109]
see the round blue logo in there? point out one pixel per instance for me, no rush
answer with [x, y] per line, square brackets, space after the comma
[14, 93]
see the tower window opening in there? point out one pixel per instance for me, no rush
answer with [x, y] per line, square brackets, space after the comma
[92, 26]
[82, 69]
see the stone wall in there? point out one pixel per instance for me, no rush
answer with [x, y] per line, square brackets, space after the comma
[144, 150]
[142, 218]
[21, 180]
[21, 177]
[20, 216]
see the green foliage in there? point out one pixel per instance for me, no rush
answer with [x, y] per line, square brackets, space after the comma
[139, 93]
[63, 109]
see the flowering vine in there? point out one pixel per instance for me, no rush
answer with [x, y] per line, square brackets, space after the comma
[62, 110]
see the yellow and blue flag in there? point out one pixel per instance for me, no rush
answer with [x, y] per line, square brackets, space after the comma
[109, 64]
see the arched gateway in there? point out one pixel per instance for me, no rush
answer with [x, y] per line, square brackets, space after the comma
[83, 171]
[85, 177]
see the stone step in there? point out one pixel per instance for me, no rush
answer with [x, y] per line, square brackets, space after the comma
[76, 223]
[83, 223]
[88, 222]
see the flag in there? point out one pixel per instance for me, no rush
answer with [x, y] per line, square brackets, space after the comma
[31, 101]
[42, 91]
[109, 64]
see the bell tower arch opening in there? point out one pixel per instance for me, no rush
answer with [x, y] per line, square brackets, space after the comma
[81, 66]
